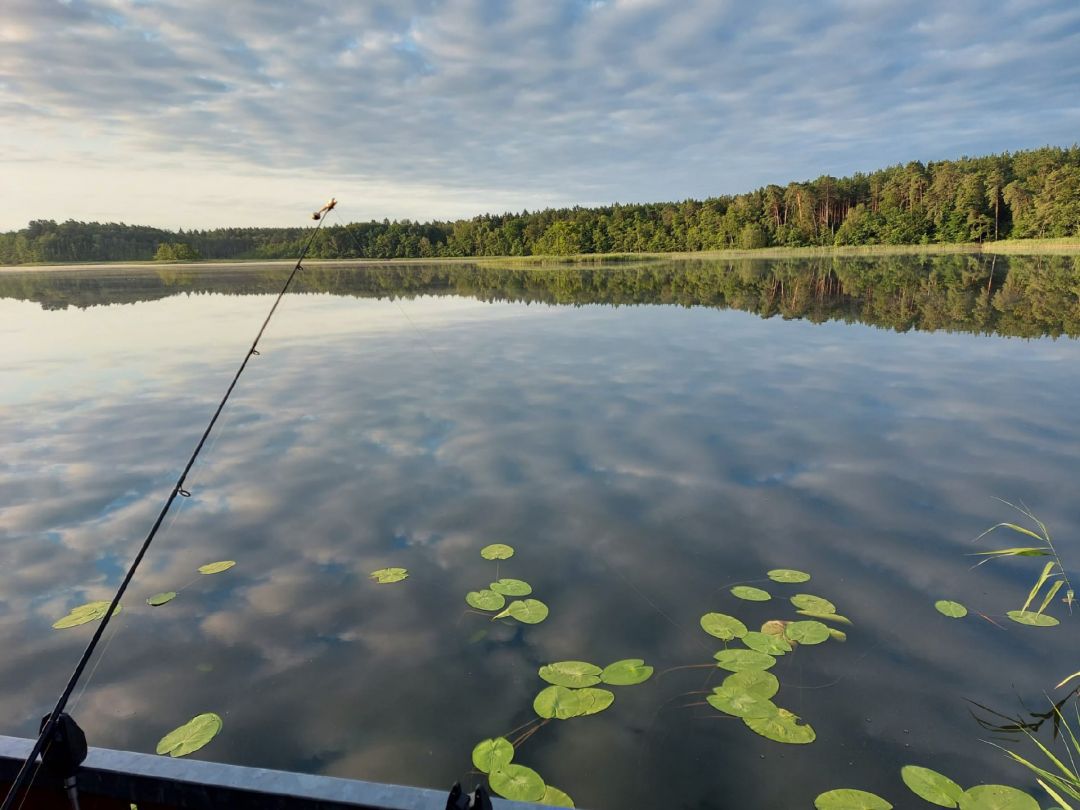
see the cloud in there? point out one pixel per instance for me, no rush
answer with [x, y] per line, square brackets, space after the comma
[641, 459]
[424, 108]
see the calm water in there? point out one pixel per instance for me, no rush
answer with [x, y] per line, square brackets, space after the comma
[641, 458]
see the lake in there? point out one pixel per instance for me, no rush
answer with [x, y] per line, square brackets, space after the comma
[645, 435]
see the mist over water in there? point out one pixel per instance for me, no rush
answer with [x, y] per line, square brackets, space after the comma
[641, 458]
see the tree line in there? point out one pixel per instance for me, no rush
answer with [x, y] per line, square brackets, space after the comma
[1023, 296]
[1028, 194]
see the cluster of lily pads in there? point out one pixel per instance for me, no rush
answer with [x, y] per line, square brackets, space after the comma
[935, 788]
[748, 692]
[493, 597]
[92, 611]
[494, 757]
[199, 730]
[573, 692]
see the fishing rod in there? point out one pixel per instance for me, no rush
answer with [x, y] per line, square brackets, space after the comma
[59, 727]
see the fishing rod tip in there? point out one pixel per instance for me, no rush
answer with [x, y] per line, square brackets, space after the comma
[326, 209]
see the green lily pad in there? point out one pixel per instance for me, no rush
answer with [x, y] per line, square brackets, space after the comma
[159, 599]
[740, 660]
[511, 587]
[782, 727]
[740, 704]
[954, 610]
[850, 799]
[517, 783]
[837, 635]
[628, 672]
[722, 626]
[788, 575]
[384, 576]
[996, 797]
[751, 594]
[497, 551]
[571, 673]
[526, 611]
[1028, 617]
[191, 736]
[807, 632]
[83, 614]
[485, 600]
[932, 786]
[492, 754]
[766, 643]
[556, 798]
[216, 567]
[825, 617]
[595, 700]
[558, 703]
[755, 682]
[806, 601]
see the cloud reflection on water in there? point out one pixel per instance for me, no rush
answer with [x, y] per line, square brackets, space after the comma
[640, 459]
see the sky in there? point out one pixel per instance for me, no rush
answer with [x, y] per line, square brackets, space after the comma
[196, 113]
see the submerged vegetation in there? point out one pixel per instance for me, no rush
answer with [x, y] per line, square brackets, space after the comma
[1032, 193]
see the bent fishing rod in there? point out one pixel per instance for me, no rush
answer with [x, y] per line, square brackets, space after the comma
[51, 724]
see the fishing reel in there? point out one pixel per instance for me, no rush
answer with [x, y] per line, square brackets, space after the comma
[64, 751]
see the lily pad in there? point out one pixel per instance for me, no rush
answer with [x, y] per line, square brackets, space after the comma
[722, 626]
[737, 703]
[850, 799]
[825, 617]
[741, 660]
[216, 567]
[571, 673]
[191, 736]
[807, 632]
[774, 627]
[384, 576]
[954, 610]
[558, 703]
[782, 727]
[751, 594]
[526, 611]
[1028, 617]
[996, 797]
[932, 786]
[159, 599]
[511, 587]
[806, 601]
[755, 682]
[485, 600]
[83, 614]
[497, 551]
[837, 635]
[492, 754]
[766, 643]
[517, 783]
[628, 672]
[594, 700]
[556, 798]
[788, 575]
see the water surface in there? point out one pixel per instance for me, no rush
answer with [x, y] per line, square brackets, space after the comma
[645, 436]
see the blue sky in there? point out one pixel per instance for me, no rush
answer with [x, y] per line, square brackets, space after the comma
[188, 113]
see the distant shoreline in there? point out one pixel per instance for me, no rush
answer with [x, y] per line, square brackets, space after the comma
[1052, 247]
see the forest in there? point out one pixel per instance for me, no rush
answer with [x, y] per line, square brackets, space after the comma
[1027, 194]
[1017, 296]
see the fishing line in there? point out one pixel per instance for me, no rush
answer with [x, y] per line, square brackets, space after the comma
[23, 778]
